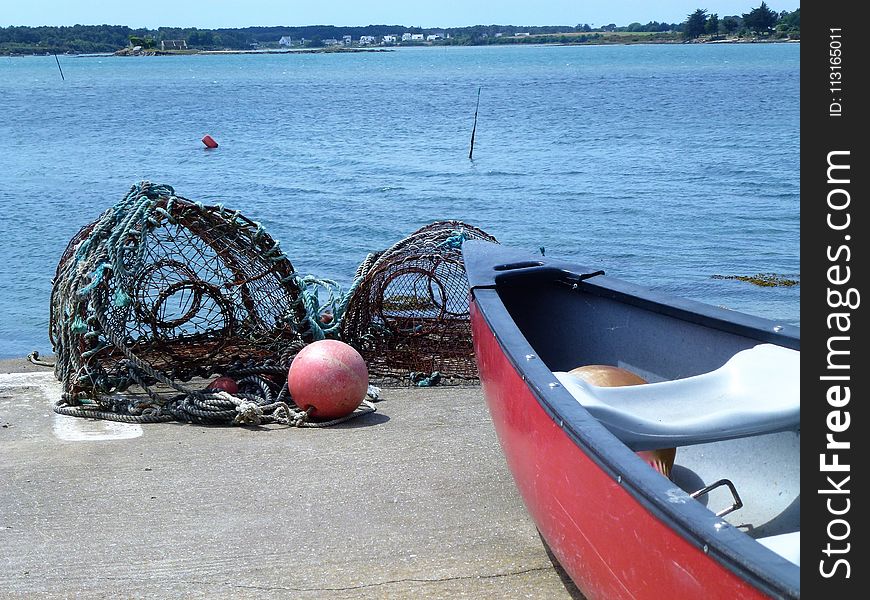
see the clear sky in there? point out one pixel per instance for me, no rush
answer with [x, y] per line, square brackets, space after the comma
[211, 14]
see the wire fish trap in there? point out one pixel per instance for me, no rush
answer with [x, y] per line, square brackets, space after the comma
[161, 290]
[407, 310]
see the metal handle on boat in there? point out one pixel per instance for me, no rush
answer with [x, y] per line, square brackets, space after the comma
[738, 503]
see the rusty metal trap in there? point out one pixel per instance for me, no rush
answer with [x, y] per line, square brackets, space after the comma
[407, 312]
[160, 291]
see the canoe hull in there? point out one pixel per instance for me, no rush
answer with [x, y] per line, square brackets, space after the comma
[610, 544]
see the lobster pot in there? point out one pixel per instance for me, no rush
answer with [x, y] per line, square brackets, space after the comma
[160, 288]
[407, 312]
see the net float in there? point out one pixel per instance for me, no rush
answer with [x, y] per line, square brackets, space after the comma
[224, 384]
[329, 379]
[662, 460]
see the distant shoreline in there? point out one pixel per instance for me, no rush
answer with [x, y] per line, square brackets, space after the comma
[758, 25]
[130, 52]
[332, 50]
[609, 41]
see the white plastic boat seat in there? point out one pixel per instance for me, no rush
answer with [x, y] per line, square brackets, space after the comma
[787, 545]
[757, 391]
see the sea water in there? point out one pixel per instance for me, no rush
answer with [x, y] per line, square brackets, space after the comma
[666, 165]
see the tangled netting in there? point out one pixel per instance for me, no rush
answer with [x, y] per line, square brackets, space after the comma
[408, 310]
[160, 294]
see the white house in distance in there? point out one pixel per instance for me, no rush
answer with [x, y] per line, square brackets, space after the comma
[416, 37]
[173, 45]
[364, 40]
[406, 37]
[389, 39]
[285, 41]
[434, 36]
[346, 40]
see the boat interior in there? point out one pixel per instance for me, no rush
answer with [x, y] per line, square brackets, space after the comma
[728, 402]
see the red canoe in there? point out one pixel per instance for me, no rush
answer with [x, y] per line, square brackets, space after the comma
[722, 388]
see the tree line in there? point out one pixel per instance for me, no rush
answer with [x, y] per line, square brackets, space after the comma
[83, 39]
[761, 21]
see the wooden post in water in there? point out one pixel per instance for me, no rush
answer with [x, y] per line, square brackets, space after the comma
[58, 67]
[474, 127]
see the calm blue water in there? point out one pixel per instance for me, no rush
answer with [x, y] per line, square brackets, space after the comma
[662, 164]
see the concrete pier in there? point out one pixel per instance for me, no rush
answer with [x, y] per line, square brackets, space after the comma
[413, 501]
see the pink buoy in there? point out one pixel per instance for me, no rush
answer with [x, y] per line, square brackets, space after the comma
[223, 384]
[330, 378]
[209, 141]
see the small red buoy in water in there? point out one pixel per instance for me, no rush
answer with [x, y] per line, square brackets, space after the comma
[330, 378]
[224, 384]
[209, 141]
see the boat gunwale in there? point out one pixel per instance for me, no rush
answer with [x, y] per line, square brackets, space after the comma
[730, 547]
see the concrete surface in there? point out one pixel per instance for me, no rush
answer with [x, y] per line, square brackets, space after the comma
[413, 501]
